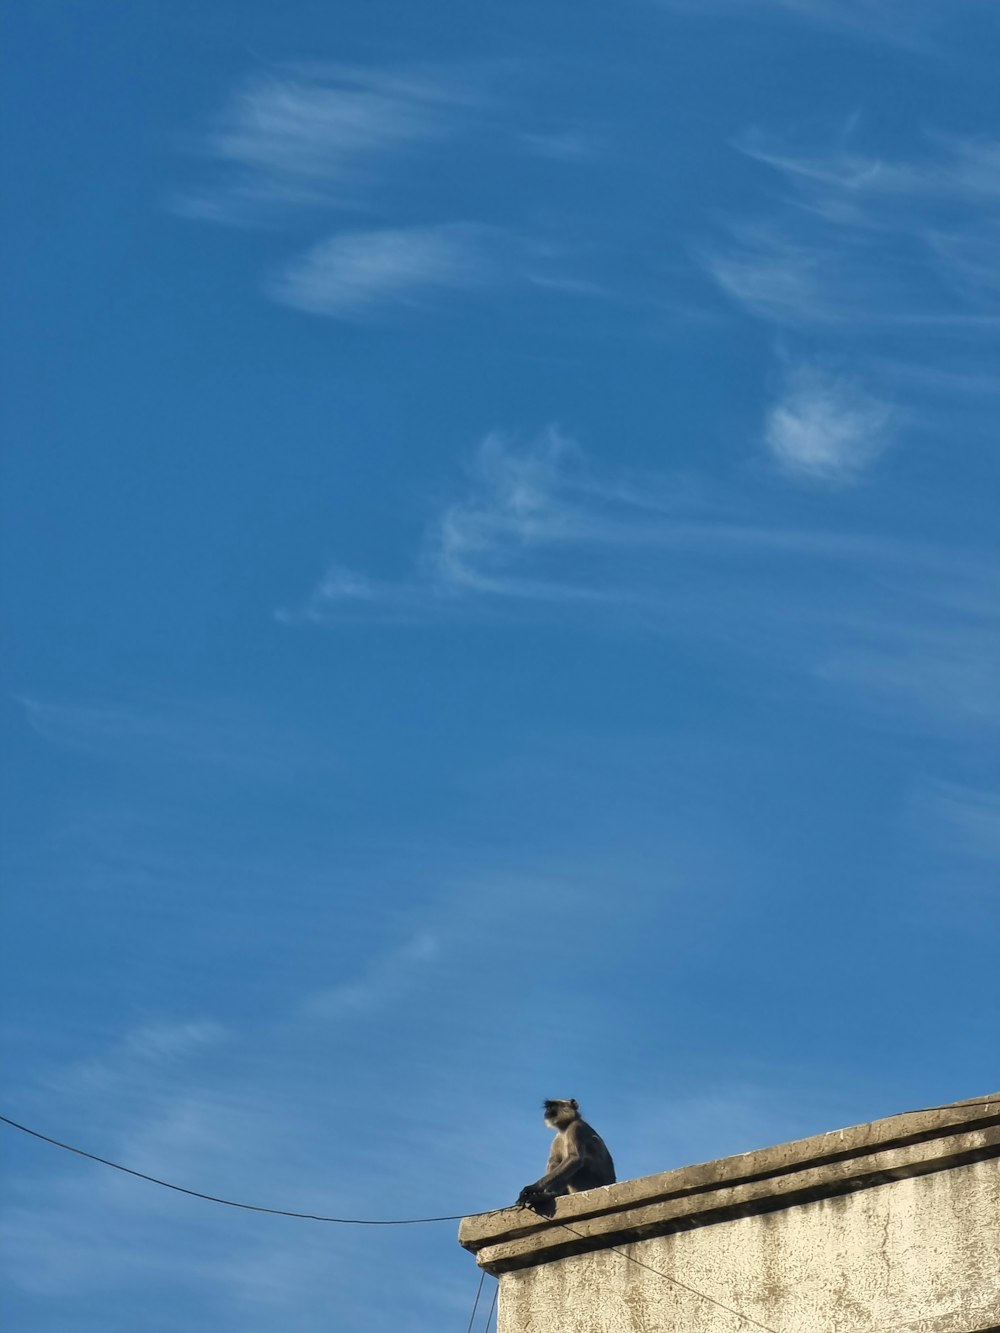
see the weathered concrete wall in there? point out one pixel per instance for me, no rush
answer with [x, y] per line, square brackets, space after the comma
[889, 1226]
[911, 1252]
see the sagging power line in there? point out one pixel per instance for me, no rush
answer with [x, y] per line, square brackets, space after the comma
[343, 1221]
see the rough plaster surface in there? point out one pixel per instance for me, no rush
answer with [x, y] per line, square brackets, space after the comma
[920, 1255]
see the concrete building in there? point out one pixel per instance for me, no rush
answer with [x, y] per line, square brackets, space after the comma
[894, 1225]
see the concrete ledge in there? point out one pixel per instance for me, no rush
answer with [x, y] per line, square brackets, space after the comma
[839, 1162]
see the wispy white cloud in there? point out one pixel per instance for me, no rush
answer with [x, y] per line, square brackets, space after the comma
[968, 259]
[152, 1054]
[347, 588]
[869, 241]
[970, 817]
[869, 256]
[952, 380]
[542, 530]
[560, 145]
[387, 979]
[780, 278]
[173, 1041]
[540, 522]
[953, 830]
[955, 172]
[360, 274]
[313, 145]
[514, 505]
[892, 20]
[814, 281]
[918, 657]
[904, 23]
[320, 135]
[826, 427]
[192, 741]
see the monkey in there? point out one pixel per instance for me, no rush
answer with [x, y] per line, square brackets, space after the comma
[577, 1161]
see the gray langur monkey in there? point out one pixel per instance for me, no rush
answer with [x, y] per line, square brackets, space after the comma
[577, 1161]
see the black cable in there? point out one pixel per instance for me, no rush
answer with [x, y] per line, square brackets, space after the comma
[348, 1221]
[493, 1306]
[413, 1221]
[475, 1303]
[231, 1203]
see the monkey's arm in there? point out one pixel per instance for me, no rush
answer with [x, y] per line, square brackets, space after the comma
[564, 1169]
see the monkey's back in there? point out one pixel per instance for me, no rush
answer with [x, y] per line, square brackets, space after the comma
[598, 1168]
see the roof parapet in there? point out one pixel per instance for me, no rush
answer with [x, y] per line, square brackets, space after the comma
[838, 1162]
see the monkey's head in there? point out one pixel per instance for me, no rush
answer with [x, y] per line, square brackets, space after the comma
[559, 1114]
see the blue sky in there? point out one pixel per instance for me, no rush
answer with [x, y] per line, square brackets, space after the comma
[500, 580]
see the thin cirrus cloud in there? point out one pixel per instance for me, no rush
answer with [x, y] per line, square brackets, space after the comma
[360, 274]
[542, 531]
[902, 23]
[954, 829]
[540, 523]
[780, 278]
[316, 144]
[825, 427]
[956, 171]
[386, 980]
[185, 743]
[966, 817]
[318, 137]
[866, 241]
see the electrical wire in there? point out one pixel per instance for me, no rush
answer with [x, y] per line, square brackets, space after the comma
[347, 1221]
[414, 1221]
[475, 1303]
[232, 1203]
[493, 1306]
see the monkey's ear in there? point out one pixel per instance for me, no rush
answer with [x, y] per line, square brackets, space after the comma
[574, 1103]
